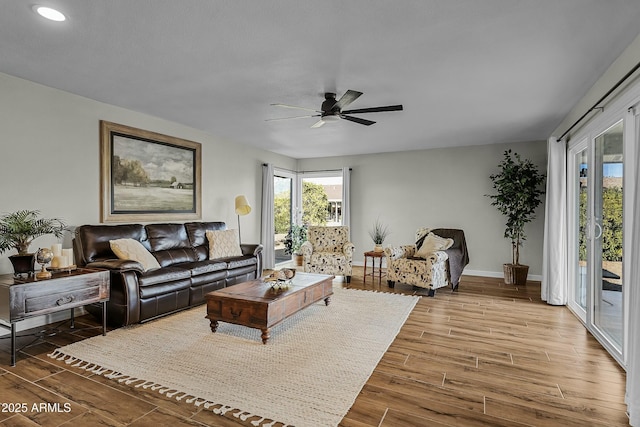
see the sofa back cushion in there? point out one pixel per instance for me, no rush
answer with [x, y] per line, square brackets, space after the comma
[169, 243]
[91, 242]
[197, 236]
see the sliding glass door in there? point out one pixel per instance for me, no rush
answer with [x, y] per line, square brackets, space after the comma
[607, 238]
[595, 191]
[578, 195]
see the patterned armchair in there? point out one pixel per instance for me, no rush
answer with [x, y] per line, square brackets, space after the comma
[436, 260]
[328, 251]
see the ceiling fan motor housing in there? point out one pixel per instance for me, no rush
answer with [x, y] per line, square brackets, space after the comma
[328, 103]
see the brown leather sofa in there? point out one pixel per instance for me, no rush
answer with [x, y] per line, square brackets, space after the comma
[185, 275]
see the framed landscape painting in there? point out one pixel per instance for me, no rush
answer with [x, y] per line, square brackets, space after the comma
[146, 176]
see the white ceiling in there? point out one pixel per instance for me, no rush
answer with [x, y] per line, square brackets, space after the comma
[467, 71]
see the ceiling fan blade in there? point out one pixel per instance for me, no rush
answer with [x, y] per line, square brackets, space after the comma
[318, 124]
[374, 109]
[346, 99]
[294, 117]
[297, 108]
[357, 120]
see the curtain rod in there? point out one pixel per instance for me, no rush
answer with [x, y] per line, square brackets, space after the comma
[322, 170]
[595, 106]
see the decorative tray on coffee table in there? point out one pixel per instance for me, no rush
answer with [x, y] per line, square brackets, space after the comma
[281, 278]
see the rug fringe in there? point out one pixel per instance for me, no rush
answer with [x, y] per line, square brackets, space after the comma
[383, 292]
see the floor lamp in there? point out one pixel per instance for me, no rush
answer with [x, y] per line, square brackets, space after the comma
[242, 208]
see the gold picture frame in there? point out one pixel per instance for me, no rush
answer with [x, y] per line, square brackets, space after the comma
[146, 176]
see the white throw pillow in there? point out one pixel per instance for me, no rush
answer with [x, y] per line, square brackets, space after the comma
[134, 250]
[223, 243]
[431, 244]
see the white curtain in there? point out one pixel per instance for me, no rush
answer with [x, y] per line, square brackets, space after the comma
[346, 197]
[554, 258]
[268, 223]
[632, 397]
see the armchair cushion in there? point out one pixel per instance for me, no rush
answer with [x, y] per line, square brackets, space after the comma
[432, 243]
[328, 258]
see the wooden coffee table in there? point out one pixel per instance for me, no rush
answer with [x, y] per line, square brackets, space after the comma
[256, 304]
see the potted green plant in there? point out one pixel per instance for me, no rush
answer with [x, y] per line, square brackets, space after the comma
[294, 239]
[519, 192]
[378, 233]
[17, 231]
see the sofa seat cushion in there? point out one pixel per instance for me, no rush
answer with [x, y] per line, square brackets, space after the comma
[166, 288]
[199, 268]
[328, 258]
[239, 262]
[163, 275]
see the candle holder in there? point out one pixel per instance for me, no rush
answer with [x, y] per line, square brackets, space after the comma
[44, 257]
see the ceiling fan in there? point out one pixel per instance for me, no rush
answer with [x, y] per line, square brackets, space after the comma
[332, 110]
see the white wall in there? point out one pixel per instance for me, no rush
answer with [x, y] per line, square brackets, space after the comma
[49, 160]
[442, 187]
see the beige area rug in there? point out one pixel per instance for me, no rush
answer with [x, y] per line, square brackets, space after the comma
[308, 374]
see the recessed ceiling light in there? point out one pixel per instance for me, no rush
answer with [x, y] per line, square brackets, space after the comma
[49, 13]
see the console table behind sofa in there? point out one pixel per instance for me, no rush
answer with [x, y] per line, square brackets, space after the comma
[186, 272]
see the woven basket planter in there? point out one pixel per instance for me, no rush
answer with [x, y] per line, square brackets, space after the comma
[515, 274]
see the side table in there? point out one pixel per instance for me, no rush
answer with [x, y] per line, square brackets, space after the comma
[25, 297]
[373, 255]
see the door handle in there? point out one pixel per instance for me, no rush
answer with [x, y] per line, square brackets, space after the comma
[599, 229]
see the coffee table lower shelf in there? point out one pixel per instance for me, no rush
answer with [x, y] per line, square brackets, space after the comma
[256, 304]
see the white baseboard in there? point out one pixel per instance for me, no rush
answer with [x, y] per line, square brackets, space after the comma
[480, 273]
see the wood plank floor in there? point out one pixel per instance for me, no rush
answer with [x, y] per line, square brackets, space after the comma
[487, 355]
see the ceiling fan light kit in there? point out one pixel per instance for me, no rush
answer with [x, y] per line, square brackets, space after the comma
[332, 109]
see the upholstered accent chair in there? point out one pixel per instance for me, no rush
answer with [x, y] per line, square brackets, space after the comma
[436, 260]
[328, 251]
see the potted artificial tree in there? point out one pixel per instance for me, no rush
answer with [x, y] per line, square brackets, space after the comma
[17, 231]
[296, 236]
[378, 234]
[518, 188]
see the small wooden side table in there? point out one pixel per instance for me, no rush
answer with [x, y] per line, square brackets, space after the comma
[23, 298]
[373, 255]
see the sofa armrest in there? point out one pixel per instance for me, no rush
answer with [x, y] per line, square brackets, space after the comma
[251, 248]
[306, 249]
[348, 249]
[117, 265]
[397, 252]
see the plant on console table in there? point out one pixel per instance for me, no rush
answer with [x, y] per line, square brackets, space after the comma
[378, 233]
[293, 241]
[518, 188]
[19, 229]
